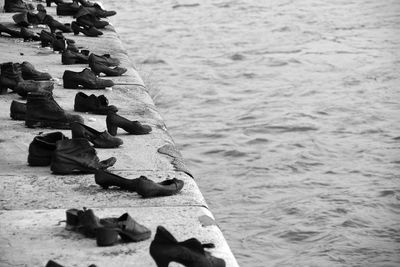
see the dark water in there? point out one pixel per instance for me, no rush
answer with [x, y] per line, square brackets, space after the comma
[288, 115]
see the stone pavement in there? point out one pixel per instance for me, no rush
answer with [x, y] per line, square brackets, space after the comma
[33, 200]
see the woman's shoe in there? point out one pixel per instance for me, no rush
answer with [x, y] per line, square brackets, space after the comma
[88, 31]
[98, 139]
[148, 188]
[98, 68]
[106, 179]
[84, 79]
[165, 249]
[114, 121]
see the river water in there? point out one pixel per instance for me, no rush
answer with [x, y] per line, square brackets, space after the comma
[287, 113]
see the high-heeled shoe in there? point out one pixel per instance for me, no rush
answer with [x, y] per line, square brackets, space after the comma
[165, 249]
[88, 31]
[98, 139]
[115, 121]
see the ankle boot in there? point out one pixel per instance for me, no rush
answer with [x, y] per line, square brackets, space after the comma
[42, 147]
[106, 179]
[12, 33]
[46, 38]
[98, 139]
[89, 20]
[30, 73]
[148, 188]
[104, 59]
[17, 6]
[10, 76]
[43, 111]
[18, 110]
[93, 104]
[28, 86]
[165, 249]
[114, 121]
[98, 68]
[88, 31]
[77, 155]
[69, 57]
[84, 79]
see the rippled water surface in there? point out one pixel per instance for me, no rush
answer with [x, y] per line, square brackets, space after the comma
[288, 115]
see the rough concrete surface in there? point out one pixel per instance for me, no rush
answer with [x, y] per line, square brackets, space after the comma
[33, 200]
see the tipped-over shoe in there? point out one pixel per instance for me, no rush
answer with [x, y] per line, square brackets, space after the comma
[18, 110]
[69, 57]
[105, 59]
[77, 156]
[17, 6]
[89, 20]
[98, 68]
[93, 104]
[98, 139]
[106, 179]
[84, 79]
[42, 147]
[30, 73]
[88, 31]
[148, 188]
[165, 249]
[115, 121]
[43, 111]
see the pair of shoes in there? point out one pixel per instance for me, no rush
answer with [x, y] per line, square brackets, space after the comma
[142, 185]
[43, 111]
[77, 156]
[85, 79]
[93, 104]
[98, 66]
[90, 31]
[107, 230]
[69, 57]
[17, 6]
[98, 139]
[24, 78]
[57, 41]
[115, 121]
[165, 249]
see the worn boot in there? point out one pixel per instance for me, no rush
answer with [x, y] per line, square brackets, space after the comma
[93, 104]
[84, 79]
[165, 249]
[69, 57]
[77, 155]
[30, 73]
[114, 121]
[18, 110]
[17, 6]
[88, 31]
[98, 139]
[104, 59]
[42, 147]
[43, 111]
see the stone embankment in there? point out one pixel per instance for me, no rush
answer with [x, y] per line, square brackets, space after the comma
[33, 200]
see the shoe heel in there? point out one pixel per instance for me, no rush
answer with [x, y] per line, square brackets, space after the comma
[106, 237]
[72, 219]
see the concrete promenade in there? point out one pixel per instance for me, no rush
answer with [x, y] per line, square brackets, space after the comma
[33, 200]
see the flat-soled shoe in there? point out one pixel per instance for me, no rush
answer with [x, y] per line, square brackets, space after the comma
[115, 121]
[18, 110]
[69, 57]
[98, 139]
[93, 104]
[148, 188]
[88, 31]
[98, 68]
[105, 59]
[30, 73]
[28, 86]
[67, 9]
[84, 79]
[106, 179]
[89, 20]
[165, 249]
[77, 156]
